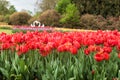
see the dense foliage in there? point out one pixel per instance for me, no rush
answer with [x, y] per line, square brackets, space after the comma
[70, 13]
[3, 7]
[98, 7]
[70, 17]
[6, 10]
[61, 6]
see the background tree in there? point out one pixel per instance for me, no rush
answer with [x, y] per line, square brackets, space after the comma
[71, 16]
[50, 18]
[3, 7]
[19, 18]
[44, 5]
[12, 9]
[27, 11]
[1, 18]
[6, 10]
[98, 7]
[61, 5]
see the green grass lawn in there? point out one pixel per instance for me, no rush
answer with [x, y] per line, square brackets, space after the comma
[6, 31]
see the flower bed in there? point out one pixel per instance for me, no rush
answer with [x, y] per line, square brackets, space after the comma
[29, 28]
[60, 56]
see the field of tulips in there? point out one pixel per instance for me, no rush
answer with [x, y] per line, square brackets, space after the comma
[60, 55]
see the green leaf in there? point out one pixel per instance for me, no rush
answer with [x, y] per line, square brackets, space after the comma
[21, 65]
[15, 67]
[4, 72]
[18, 77]
[55, 74]
[44, 77]
[73, 78]
[119, 75]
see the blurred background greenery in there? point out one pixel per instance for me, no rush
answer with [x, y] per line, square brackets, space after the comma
[79, 14]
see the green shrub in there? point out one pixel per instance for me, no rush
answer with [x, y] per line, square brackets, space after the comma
[95, 22]
[50, 18]
[71, 16]
[110, 23]
[7, 19]
[88, 21]
[19, 18]
[4, 18]
[61, 6]
[113, 23]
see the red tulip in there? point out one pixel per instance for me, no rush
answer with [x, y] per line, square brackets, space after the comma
[99, 57]
[119, 55]
[92, 48]
[76, 44]
[5, 46]
[67, 46]
[48, 48]
[106, 56]
[73, 50]
[43, 53]
[87, 51]
[93, 72]
[17, 47]
[19, 53]
[107, 49]
[61, 48]
[23, 49]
